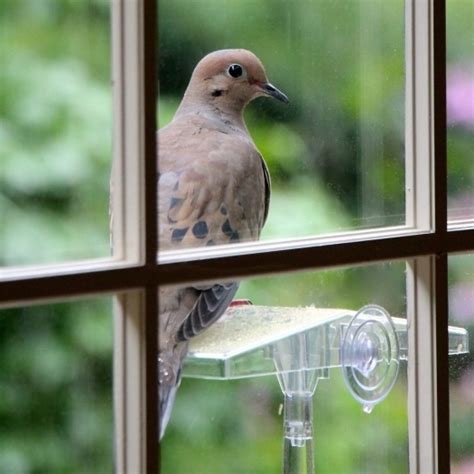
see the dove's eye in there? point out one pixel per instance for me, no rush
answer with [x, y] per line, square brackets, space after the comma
[235, 70]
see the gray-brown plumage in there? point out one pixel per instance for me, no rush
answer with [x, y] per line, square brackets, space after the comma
[214, 188]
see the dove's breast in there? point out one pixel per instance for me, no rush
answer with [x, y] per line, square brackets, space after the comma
[211, 187]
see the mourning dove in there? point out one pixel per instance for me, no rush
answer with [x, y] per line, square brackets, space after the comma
[214, 188]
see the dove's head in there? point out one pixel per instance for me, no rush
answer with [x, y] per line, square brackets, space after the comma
[229, 79]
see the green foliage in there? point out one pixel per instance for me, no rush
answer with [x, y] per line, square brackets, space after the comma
[56, 132]
[56, 384]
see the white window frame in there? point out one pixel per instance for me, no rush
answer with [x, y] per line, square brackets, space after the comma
[134, 272]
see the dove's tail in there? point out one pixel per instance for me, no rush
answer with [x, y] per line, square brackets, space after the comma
[169, 378]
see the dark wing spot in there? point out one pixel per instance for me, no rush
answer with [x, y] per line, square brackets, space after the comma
[175, 202]
[210, 243]
[178, 234]
[200, 230]
[176, 186]
[226, 228]
[231, 233]
[175, 206]
[223, 210]
[235, 237]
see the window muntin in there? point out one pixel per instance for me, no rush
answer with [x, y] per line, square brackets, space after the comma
[336, 153]
[56, 130]
[460, 109]
[56, 407]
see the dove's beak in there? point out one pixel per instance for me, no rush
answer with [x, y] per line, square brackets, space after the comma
[272, 91]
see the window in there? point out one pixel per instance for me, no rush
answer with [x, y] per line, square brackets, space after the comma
[57, 386]
[56, 96]
[229, 416]
[340, 143]
[460, 109]
[420, 238]
[461, 313]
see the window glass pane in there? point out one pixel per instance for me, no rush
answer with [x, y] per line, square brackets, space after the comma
[236, 425]
[460, 108]
[55, 130]
[336, 152]
[56, 409]
[461, 368]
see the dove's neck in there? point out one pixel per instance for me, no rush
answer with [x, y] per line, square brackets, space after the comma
[231, 117]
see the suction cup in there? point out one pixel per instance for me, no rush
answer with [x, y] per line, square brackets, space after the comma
[370, 356]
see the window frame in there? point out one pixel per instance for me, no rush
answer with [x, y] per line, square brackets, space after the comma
[134, 272]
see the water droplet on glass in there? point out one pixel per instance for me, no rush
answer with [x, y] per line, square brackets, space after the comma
[368, 408]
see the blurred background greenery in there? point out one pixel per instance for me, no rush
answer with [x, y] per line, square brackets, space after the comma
[55, 130]
[336, 157]
[56, 408]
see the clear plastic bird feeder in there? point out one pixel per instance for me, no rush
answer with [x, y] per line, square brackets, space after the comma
[300, 346]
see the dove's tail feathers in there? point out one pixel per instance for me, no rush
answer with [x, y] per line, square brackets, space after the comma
[169, 378]
[167, 395]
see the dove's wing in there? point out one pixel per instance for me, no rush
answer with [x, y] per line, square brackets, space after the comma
[210, 305]
[194, 211]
